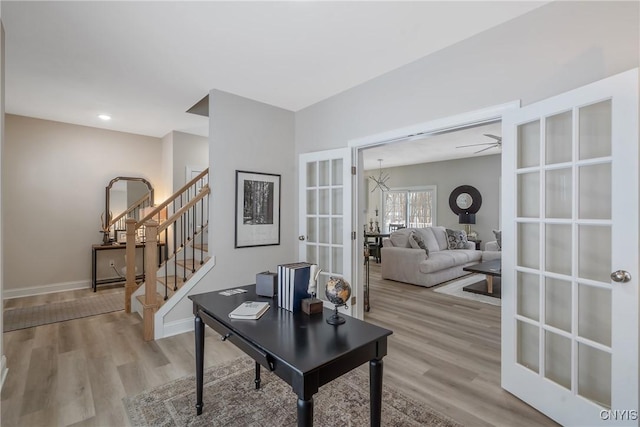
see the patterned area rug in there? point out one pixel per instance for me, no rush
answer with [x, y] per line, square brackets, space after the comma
[28, 317]
[230, 399]
[455, 289]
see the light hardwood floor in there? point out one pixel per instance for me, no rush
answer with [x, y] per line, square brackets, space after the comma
[444, 352]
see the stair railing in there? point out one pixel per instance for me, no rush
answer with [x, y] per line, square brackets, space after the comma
[133, 211]
[173, 223]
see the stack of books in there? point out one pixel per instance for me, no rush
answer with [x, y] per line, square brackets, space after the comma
[293, 282]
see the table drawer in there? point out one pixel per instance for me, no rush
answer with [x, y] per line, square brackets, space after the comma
[254, 352]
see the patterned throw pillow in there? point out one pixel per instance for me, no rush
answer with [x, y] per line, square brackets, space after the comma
[456, 239]
[416, 242]
[498, 234]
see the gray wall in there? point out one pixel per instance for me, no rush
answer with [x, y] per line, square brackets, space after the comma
[53, 192]
[188, 150]
[482, 173]
[251, 136]
[555, 48]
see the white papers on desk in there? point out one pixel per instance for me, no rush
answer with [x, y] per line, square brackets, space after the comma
[249, 310]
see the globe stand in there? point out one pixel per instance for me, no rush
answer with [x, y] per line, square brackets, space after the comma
[335, 319]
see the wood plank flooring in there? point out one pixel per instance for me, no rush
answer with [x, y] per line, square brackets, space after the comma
[444, 352]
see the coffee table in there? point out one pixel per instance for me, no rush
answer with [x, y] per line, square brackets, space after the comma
[491, 286]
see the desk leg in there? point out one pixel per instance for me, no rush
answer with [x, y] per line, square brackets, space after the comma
[305, 412]
[199, 332]
[375, 391]
[257, 380]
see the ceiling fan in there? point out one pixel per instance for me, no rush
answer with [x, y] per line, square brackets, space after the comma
[491, 144]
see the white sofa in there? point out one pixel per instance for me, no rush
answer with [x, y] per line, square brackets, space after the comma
[403, 263]
[491, 251]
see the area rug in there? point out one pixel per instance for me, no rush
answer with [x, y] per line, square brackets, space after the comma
[455, 289]
[28, 317]
[230, 399]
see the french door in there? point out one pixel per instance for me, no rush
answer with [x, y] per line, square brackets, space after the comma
[325, 234]
[570, 254]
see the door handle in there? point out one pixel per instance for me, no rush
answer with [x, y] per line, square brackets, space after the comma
[301, 238]
[620, 276]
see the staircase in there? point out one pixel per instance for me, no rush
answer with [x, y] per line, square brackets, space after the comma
[176, 243]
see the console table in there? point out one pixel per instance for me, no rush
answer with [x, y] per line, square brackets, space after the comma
[303, 350]
[114, 247]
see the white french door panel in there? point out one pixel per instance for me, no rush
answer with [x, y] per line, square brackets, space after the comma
[570, 218]
[325, 227]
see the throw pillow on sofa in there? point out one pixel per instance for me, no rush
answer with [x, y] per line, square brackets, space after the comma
[456, 239]
[416, 242]
[498, 234]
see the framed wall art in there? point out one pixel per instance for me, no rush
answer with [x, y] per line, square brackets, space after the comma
[257, 209]
[121, 236]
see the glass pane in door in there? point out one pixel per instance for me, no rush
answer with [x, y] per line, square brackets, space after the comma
[557, 357]
[529, 144]
[558, 303]
[595, 130]
[558, 247]
[594, 182]
[529, 195]
[594, 252]
[594, 314]
[559, 137]
[594, 374]
[528, 346]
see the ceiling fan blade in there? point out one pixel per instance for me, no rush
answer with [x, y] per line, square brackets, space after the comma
[485, 149]
[497, 138]
[473, 145]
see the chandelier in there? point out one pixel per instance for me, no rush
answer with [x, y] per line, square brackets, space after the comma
[380, 180]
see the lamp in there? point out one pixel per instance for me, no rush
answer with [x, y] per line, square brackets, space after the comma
[467, 219]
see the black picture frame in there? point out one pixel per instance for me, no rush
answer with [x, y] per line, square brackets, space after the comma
[257, 220]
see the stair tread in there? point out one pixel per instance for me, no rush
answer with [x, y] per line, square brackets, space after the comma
[159, 299]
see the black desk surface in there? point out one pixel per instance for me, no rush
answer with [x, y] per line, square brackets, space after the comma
[306, 342]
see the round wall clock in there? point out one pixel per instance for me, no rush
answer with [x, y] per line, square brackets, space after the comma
[465, 198]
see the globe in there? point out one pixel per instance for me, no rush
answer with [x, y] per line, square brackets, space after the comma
[338, 291]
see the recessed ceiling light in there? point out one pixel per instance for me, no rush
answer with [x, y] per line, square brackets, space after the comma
[104, 117]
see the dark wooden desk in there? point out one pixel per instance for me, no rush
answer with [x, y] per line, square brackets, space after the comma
[303, 350]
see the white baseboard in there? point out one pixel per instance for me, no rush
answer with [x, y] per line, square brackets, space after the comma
[45, 289]
[176, 327]
[3, 371]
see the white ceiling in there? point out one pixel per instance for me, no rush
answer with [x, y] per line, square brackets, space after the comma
[146, 63]
[435, 148]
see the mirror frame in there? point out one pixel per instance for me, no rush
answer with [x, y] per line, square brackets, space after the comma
[107, 219]
[476, 199]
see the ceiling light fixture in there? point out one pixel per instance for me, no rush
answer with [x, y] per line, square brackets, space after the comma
[104, 117]
[380, 180]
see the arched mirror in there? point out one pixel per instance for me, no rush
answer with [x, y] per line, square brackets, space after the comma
[125, 197]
